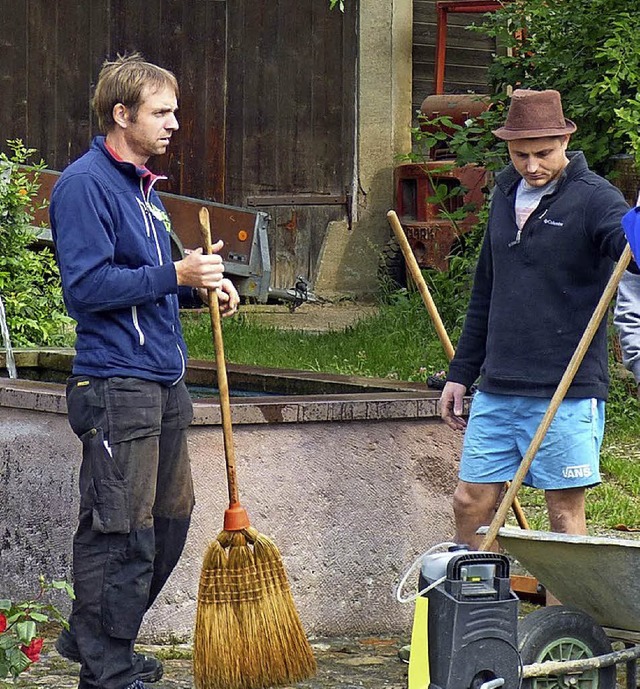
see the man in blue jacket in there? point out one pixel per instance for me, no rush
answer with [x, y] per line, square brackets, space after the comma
[126, 398]
[627, 322]
[552, 239]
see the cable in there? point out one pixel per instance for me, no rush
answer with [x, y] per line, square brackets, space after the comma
[403, 581]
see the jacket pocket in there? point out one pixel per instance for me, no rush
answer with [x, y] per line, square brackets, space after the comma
[136, 325]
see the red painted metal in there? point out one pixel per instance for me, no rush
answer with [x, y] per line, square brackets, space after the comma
[430, 233]
[443, 8]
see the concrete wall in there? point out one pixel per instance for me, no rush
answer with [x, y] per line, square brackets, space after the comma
[350, 503]
[351, 254]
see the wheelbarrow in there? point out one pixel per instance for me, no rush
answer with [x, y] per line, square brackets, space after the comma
[597, 581]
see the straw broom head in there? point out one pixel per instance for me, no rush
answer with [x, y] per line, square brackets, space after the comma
[248, 632]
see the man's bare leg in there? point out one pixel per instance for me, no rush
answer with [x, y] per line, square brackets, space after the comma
[474, 505]
[566, 515]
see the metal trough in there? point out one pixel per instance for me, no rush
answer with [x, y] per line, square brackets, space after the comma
[598, 575]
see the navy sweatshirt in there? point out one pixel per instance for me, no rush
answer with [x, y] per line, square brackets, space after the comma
[533, 297]
[112, 241]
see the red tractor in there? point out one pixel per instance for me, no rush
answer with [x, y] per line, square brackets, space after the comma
[428, 194]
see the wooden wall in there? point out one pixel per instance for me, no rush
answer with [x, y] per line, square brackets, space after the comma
[468, 53]
[291, 78]
[266, 107]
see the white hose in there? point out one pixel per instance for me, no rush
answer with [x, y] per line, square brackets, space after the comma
[437, 582]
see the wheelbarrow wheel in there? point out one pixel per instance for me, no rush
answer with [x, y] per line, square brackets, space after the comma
[558, 633]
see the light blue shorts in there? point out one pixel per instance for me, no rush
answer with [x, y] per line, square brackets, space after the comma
[501, 427]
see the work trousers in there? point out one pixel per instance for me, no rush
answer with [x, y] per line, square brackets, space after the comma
[136, 500]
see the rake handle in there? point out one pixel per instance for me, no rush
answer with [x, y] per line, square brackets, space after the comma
[449, 351]
[558, 396]
[221, 369]
[416, 274]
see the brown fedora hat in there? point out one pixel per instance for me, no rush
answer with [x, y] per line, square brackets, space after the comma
[533, 115]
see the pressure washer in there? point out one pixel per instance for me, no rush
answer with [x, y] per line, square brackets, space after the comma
[465, 623]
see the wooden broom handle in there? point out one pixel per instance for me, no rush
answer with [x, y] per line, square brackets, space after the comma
[416, 274]
[221, 369]
[561, 391]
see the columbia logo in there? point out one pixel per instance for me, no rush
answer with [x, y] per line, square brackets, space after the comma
[555, 223]
[582, 471]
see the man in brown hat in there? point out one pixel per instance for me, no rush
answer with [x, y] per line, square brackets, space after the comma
[552, 239]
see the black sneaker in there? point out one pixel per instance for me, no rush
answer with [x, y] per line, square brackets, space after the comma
[152, 669]
[138, 684]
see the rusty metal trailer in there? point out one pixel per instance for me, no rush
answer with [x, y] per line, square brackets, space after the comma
[243, 230]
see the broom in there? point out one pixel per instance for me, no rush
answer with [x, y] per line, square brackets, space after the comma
[248, 634]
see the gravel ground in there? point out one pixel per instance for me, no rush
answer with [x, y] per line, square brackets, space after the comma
[311, 317]
[343, 663]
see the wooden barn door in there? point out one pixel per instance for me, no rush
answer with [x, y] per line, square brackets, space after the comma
[50, 55]
[267, 102]
[290, 122]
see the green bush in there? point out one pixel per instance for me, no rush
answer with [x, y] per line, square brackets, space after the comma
[587, 51]
[29, 280]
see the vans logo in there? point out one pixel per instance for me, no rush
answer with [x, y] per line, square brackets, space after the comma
[555, 223]
[580, 471]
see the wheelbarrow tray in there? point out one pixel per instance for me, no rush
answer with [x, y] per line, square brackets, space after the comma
[598, 575]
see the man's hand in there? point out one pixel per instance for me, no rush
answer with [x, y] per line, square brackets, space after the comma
[228, 298]
[451, 405]
[201, 270]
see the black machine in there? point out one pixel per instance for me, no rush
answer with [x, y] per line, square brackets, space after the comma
[472, 621]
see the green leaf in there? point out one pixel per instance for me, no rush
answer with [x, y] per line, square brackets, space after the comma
[26, 631]
[7, 640]
[38, 617]
[18, 662]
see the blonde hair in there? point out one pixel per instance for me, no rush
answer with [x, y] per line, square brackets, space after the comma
[124, 81]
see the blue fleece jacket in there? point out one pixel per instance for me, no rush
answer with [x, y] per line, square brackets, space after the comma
[627, 321]
[112, 241]
[534, 292]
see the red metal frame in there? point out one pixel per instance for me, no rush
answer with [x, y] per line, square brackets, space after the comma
[430, 235]
[443, 8]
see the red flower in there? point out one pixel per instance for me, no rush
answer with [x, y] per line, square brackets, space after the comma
[3, 623]
[32, 651]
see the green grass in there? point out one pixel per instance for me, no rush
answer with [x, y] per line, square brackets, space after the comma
[400, 343]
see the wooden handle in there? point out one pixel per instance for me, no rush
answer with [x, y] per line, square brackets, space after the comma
[221, 369]
[449, 351]
[561, 391]
[416, 274]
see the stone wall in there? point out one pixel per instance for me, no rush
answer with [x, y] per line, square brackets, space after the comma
[350, 502]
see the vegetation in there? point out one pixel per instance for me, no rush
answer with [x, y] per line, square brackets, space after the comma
[29, 281]
[21, 626]
[399, 343]
[594, 64]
